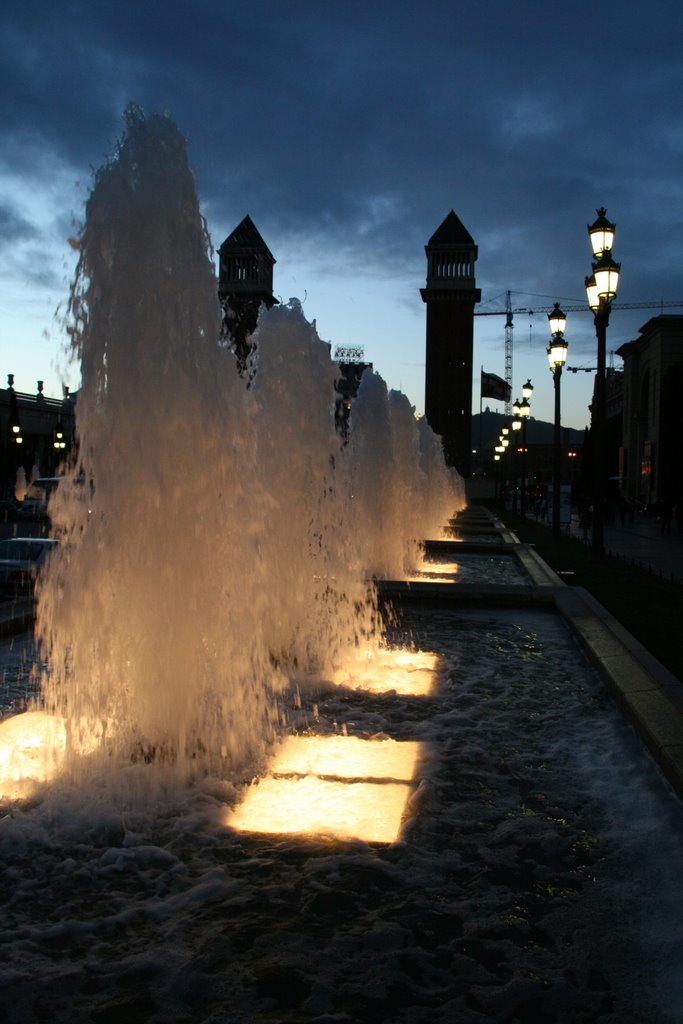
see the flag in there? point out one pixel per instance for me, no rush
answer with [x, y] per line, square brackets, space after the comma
[495, 387]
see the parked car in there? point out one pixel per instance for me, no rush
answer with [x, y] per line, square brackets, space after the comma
[21, 559]
[34, 505]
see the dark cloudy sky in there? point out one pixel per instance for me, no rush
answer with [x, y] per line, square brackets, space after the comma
[347, 131]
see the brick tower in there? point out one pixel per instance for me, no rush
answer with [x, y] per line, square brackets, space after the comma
[450, 297]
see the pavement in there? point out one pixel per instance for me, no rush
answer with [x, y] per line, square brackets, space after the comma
[642, 542]
[639, 541]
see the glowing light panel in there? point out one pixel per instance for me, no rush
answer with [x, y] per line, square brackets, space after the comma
[32, 747]
[311, 806]
[347, 757]
[437, 572]
[303, 803]
[408, 673]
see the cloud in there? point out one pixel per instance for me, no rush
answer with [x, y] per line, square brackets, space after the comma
[13, 226]
[348, 132]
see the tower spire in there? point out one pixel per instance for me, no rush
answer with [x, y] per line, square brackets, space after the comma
[450, 296]
[245, 283]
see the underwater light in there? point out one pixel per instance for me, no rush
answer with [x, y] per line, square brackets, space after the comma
[347, 757]
[332, 787]
[383, 670]
[32, 747]
[436, 572]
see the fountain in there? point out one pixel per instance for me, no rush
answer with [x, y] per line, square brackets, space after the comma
[219, 545]
[217, 540]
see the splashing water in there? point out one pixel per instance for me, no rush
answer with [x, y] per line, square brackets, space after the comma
[216, 539]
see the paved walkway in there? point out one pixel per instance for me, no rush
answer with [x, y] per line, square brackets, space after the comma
[643, 543]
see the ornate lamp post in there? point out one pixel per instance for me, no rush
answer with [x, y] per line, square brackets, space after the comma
[557, 357]
[503, 444]
[499, 451]
[601, 288]
[13, 423]
[516, 427]
[524, 411]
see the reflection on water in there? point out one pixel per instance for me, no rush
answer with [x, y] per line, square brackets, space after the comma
[19, 674]
[534, 822]
[502, 570]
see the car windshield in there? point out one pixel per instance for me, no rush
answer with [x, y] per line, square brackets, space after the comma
[21, 550]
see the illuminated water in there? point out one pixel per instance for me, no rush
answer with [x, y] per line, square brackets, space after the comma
[211, 594]
[536, 877]
[503, 570]
[216, 539]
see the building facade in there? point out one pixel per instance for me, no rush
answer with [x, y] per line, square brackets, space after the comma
[651, 456]
[35, 432]
[450, 296]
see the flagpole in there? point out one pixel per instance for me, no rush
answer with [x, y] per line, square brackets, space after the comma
[481, 374]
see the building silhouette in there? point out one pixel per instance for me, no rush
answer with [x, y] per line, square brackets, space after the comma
[34, 431]
[351, 370]
[245, 283]
[450, 296]
[651, 455]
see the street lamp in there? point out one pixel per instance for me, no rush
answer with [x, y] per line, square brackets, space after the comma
[59, 442]
[601, 289]
[516, 425]
[524, 408]
[13, 423]
[503, 444]
[557, 321]
[557, 357]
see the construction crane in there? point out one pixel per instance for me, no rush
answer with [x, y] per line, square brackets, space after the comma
[508, 352]
[509, 312]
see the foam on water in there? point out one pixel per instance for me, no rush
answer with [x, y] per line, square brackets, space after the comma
[216, 538]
